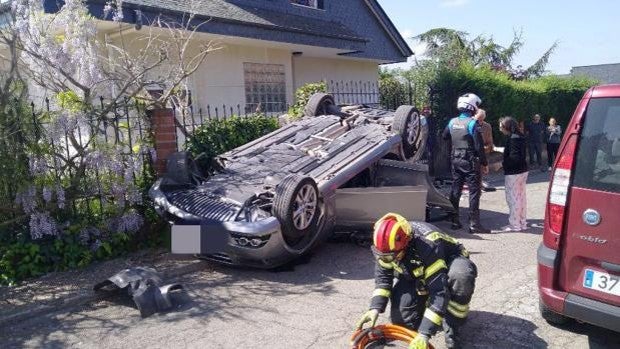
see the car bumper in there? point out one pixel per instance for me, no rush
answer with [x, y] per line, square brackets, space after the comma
[257, 244]
[570, 305]
[594, 312]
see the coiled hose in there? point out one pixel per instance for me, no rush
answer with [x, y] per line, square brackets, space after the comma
[362, 338]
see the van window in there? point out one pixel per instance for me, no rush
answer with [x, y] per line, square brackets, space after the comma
[598, 156]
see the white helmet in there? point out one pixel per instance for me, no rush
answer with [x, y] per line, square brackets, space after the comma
[468, 101]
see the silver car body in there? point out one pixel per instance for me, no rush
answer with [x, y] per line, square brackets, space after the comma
[352, 161]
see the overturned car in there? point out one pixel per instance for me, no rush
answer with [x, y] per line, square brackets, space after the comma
[274, 199]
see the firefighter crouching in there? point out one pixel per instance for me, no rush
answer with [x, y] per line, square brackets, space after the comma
[435, 279]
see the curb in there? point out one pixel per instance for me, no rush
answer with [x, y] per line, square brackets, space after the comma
[89, 296]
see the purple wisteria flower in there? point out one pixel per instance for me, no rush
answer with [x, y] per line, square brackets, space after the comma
[86, 234]
[60, 195]
[130, 222]
[41, 224]
[95, 245]
[47, 194]
[27, 199]
[37, 165]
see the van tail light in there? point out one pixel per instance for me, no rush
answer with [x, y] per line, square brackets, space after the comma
[560, 183]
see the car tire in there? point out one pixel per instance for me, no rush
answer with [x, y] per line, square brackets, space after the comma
[407, 124]
[551, 316]
[181, 168]
[319, 104]
[299, 229]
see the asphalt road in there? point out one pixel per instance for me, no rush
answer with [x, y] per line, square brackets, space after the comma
[315, 304]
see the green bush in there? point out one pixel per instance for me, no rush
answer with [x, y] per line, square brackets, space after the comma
[219, 136]
[549, 96]
[392, 92]
[302, 95]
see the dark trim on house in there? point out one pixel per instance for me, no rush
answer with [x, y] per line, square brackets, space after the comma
[232, 18]
[389, 27]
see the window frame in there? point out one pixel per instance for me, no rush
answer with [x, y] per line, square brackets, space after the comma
[257, 93]
[318, 5]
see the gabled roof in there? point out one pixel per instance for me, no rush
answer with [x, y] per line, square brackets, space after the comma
[349, 26]
[220, 10]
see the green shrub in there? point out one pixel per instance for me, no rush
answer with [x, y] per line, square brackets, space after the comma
[302, 95]
[549, 96]
[216, 137]
[393, 92]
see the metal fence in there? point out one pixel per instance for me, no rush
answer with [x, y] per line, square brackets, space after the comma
[65, 143]
[355, 92]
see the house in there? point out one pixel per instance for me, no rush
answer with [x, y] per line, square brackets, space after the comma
[271, 47]
[605, 73]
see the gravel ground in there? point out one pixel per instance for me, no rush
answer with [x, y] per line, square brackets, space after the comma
[316, 303]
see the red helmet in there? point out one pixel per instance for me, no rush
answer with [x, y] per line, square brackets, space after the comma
[392, 233]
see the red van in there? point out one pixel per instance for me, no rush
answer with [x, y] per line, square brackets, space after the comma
[579, 258]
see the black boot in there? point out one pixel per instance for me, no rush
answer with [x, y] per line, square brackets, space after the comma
[456, 222]
[478, 229]
[487, 187]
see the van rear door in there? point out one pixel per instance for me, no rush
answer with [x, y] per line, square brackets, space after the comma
[590, 262]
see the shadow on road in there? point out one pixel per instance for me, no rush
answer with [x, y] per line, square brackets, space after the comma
[598, 338]
[490, 330]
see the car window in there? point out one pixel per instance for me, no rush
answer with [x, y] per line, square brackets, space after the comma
[598, 156]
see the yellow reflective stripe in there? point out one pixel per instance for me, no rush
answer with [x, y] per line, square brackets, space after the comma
[458, 306]
[392, 240]
[434, 236]
[464, 252]
[457, 313]
[417, 272]
[381, 292]
[435, 267]
[385, 265]
[397, 268]
[433, 316]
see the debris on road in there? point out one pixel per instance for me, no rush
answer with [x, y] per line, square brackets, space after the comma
[143, 285]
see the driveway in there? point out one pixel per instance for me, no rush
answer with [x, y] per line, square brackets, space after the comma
[314, 304]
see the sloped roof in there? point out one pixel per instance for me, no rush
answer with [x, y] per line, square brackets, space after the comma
[345, 26]
[226, 11]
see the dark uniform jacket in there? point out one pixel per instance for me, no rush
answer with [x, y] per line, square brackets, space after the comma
[466, 135]
[426, 262]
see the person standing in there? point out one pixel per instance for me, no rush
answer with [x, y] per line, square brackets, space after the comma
[535, 133]
[468, 159]
[554, 137]
[515, 171]
[487, 139]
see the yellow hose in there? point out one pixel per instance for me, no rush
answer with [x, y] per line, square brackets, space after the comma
[362, 338]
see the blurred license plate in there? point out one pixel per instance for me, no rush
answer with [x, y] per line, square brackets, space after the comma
[603, 282]
[198, 239]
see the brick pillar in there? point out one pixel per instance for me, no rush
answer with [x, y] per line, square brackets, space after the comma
[165, 137]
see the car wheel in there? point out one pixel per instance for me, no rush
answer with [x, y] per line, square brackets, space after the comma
[296, 206]
[407, 124]
[551, 316]
[182, 169]
[319, 104]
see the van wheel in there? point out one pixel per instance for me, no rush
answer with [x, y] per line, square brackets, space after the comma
[551, 316]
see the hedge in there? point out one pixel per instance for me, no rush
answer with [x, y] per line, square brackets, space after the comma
[549, 96]
[216, 137]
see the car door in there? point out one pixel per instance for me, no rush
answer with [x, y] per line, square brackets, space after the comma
[590, 262]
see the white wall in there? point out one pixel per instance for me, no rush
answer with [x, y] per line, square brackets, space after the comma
[220, 79]
[309, 69]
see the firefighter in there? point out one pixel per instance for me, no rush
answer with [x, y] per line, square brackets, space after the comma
[435, 279]
[468, 159]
